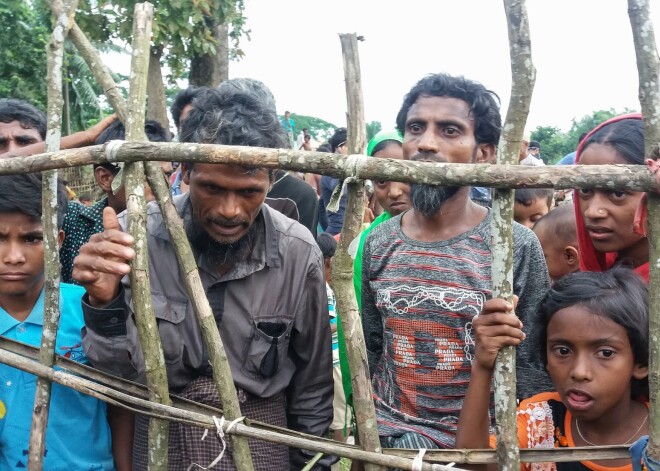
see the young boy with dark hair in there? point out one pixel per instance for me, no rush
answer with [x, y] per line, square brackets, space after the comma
[557, 232]
[78, 435]
[531, 205]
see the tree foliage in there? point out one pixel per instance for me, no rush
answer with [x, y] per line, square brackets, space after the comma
[23, 53]
[373, 128]
[319, 129]
[555, 143]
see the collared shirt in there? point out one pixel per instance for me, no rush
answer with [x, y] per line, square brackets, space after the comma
[271, 309]
[80, 223]
[75, 418]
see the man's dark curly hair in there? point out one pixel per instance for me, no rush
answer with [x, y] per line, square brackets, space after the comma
[484, 104]
[183, 98]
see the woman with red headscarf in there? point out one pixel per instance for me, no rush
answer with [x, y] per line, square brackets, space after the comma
[607, 232]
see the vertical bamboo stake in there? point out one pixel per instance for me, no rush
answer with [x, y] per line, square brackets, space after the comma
[342, 266]
[523, 76]
[648, 67]
[219, 363]
[217, 357]
[62, 15]
[137, 226]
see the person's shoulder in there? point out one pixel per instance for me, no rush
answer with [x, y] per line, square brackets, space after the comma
[383, 231]
[288, 228]
[69, 291]
[523, 236]
[295, 187]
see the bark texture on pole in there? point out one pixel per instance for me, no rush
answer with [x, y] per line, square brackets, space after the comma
[62, 14]
[222, 376]
[622, 177]
[156, 102]
[145, 320]
[648, 68]
[342, 265]
[523, 76]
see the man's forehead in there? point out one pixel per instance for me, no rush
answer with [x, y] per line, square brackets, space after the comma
[16, 127]
[444, 105]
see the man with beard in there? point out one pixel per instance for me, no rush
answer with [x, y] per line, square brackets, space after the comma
[263, 275]
[427, 273]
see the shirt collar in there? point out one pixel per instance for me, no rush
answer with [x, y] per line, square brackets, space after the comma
[36, 316]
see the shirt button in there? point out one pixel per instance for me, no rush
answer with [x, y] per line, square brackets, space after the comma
[20, 329]
[114, 320]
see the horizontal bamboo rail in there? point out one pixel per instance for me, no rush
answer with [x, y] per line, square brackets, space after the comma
[622, 177]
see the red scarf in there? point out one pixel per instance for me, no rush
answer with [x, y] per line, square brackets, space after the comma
[590, 258]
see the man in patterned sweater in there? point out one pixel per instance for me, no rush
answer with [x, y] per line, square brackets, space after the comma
[427, 273]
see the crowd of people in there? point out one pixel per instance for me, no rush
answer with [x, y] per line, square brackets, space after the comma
[263, 242]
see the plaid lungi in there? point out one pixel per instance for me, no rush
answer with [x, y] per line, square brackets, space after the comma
[186, 446]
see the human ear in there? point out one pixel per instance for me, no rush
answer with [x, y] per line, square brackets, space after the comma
[485, 153]
[640, 371]
[104, 178]
[571, 256]
[185, 173]
[60, 238]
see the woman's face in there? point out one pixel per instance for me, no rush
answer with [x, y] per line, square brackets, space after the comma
[394, 197]
[609, 214]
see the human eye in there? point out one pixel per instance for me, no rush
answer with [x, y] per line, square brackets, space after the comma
[585, 192]
[381, 183]
[451, 131]
[561, 351]
[34, 239]
[415, 128]
[617, 195]
[606, 353]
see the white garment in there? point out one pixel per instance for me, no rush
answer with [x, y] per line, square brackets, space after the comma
[531, 160]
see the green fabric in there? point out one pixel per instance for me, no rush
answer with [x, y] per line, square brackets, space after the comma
[357, 283]
[383, 136]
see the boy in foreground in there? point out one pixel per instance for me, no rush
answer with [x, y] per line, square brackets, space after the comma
[78, 435]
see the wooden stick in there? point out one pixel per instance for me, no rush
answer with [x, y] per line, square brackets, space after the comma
[342, 265]
[156, 373]
[623, 177]
[300, 440]
[62, 15]
[648, 67]
[523, 76]
[222, 376]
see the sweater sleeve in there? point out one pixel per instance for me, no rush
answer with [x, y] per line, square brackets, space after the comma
[372, 323]
[531, 282]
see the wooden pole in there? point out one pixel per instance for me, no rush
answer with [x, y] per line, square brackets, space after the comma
[622, 177]
[648, 67]
[523, 76]
[342, 265]
[62, 14]
[156, 373]
[222, 376]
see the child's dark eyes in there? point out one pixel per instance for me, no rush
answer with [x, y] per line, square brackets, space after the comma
[561, 351]
[606, 353]
[34, 239]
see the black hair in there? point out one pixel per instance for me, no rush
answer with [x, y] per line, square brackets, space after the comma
[527, 196]
[327, 244]
[384, 144]
[182, 99]
[22, 194]
[325, 147]
[484, 104]
[116, 131]
[619, 295]
[625, 136]
[561, 220]
[30, 117]
[85, 197]
[339, 137]
[534, 144]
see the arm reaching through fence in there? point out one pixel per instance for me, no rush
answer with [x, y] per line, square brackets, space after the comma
[103, 261]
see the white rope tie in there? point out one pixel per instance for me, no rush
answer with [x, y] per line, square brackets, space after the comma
[417, 462]
[220, 432]
[352, 166]
[111, 154]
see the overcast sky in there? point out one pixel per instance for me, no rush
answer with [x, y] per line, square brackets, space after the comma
[582, 49]
[583, 52]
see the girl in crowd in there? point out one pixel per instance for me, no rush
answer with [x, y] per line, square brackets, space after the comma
[593, 338]
[605, 218]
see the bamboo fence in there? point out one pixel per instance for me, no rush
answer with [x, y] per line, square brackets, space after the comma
[155, 401]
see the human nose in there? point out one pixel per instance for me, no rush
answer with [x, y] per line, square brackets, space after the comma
[596, 207]
[228, 206]
[12, 254]
[427, 142]
[395, 190]
[581, 368]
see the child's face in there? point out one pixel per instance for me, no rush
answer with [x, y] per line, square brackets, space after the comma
[527, 215]
[21, 256]
[608, 214]
[393, 197]
[591, 362]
